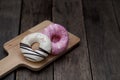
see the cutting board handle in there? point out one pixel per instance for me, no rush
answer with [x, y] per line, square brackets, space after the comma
[7, 65]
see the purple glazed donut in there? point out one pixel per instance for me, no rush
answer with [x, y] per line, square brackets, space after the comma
[58, 36]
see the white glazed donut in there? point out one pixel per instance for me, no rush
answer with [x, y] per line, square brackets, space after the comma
[35, 55]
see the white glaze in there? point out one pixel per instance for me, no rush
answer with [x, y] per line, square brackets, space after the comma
[44, 42]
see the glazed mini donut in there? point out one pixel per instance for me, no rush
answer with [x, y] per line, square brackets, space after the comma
[59, 37]
[35, 55]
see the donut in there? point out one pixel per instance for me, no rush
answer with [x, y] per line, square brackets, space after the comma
[39, 54]
[58, 36]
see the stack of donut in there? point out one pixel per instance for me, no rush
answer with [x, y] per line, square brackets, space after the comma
[53, 40]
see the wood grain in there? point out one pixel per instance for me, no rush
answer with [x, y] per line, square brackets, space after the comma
[116, 9]
[103, 37]
[9, 26]
[75, 65]
[33, 12]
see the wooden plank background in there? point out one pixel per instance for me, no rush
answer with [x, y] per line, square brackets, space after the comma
[9, 26]
[96, 22]
[103, 36]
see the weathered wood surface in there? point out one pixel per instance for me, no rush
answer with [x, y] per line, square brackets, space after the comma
[75, 65]
[96, 58]
[33, 12]
[9, 26]
[103, 37]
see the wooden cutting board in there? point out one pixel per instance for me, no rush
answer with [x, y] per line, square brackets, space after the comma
[15, 58]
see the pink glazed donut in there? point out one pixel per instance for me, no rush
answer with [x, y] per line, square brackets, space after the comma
[58, 36]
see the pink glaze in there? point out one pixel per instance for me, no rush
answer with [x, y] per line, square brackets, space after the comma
[59, 37]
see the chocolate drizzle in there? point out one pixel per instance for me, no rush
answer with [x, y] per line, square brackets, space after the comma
[35, 55]
[43, 50]
[25, 45]
[31, 52]
[30, 58]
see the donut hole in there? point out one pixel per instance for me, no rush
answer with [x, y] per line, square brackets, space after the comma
[55, 38]
[35, 46]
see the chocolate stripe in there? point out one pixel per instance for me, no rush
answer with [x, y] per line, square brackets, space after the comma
[22, 44]
[31, 50]
[43, 50]
[39, 53]
[35, 55]
[25, 45]
[30, 58]
[25, 48]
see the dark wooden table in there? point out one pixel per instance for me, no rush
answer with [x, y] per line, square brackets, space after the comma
[96, 22]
